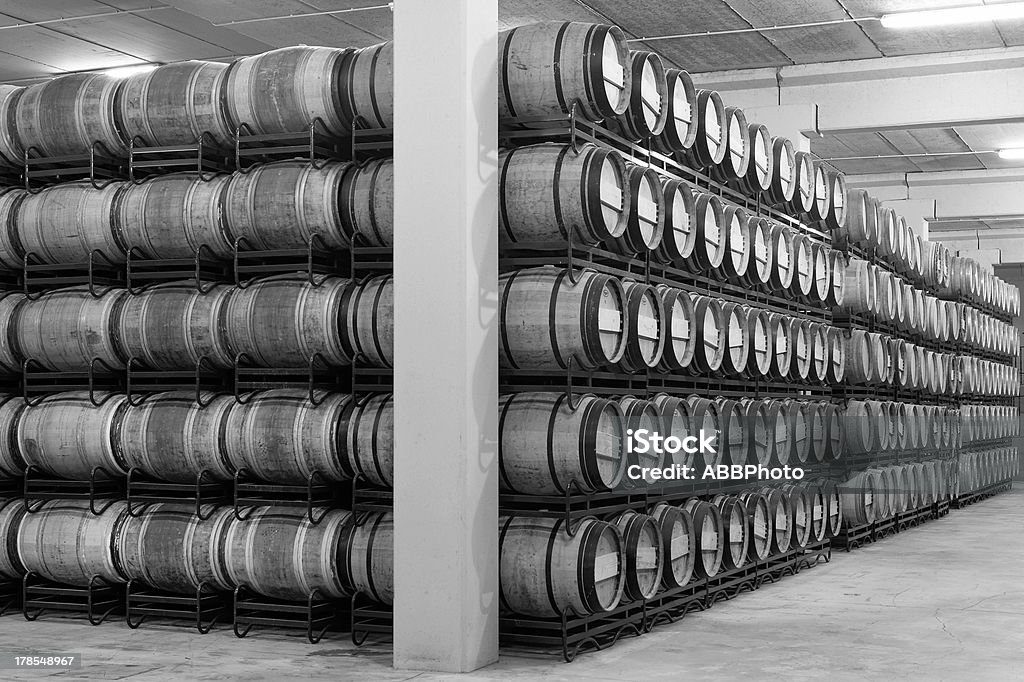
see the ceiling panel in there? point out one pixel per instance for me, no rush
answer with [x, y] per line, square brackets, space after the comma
[868, 166]
[894, 42]
[516, 12]
[810, 44]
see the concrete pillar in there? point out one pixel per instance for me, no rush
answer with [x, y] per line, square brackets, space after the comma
[446, 335]
[917, 213]
[794, 121]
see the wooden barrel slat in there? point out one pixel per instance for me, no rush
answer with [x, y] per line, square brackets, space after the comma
[170, 437]
[284, 321]
[279, 553]
[66, 115]
[64, 542]
[543, 571]
[286, 90]
[281, 436]
[545, 68]
[170, 548]
[175, 104]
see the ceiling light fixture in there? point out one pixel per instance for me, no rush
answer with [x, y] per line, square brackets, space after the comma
[1014, 154]
[125, 71]
[954, 15]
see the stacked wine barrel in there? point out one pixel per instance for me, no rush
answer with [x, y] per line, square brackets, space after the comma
[276, 325]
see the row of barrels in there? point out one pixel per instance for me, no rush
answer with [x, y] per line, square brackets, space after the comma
[884, 425]
[639, 99]
[635, 555]
[977, 470]
[547, 448]
[591, 195]
[968, 278]
[873, 291]
[988, 422]
[281, 205]
[275, 551]
[883, 492]
[551, 318]
[280, 91]
[879, 359]
[278, 321]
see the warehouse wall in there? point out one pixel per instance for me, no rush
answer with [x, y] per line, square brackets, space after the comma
[1014, 274]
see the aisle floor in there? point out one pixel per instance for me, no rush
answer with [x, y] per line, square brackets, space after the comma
[943, 601]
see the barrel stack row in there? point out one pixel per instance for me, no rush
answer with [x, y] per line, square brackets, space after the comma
[634, 96]
[880, 493]
[984, 468]
[281, 205]
[280, 91]
[875, 426]
[551, 320]
[887, 236]
[875, 292]
[988, 422]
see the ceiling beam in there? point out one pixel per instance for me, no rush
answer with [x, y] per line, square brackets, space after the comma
[894, 93]
[993, 193]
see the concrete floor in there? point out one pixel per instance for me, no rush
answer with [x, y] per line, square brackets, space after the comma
[941, 601]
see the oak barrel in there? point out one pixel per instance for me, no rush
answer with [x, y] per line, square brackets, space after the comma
[369, 86]
[644, 561]
[369, 321]
[368, 203]
[677, 541]
[647, 113]
[67, 115]
[370, 557]
[66, 223]
[369, 430]
[64, 542]
[67, 328]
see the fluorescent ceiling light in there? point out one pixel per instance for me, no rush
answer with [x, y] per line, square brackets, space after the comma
[954, 15]
[1012, 154]
[125, 71]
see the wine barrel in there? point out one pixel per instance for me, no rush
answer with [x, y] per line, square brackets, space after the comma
[781, 512]
[803, 194]
[175, 104]
[822, 200]
[368, 203]
[759, 525]
[680, 130]
[836, 355]
[547, 321]
[735, 439]
[642, 415]
[803, 268]
[67, 115]
[817, 430]
[679, 327]
[10, 357]
[368, 310]
[174, 326]
[547, 189]
[645, 327]
[370, 557]
[738, 236]
[12, 254]
[64, 542]
[674, 419]
[780, 435]
[800, 340]
[12, 154]
[284, 321]
[680, 236]
[545, 69]
[710, 146]
[819, 353]
[676, 529]
[287, 205]
[171, 548]
[545, 572]
[12, 465]
[67, 436]
[780, 330]
[737, 343]
[800, 425]
[734, 526]
[708, 531]
[12, 511]
[761, 165]
[887, 232]
[645, 223]
[170, 437]
[276, 551]
[858, 495]
[760, 342]
[369, 86]
[647, 113]
[883, 497]
[837, 289]
[755, 418]
[706, 418]
[710, 244]
[67, 328]
[822, 273]
[817, 512]
[66, 223]
[860, 285]
[784, 258]
[762, 256]
[641, 548]
[783, 183]
[833, 506]
[861, 219]
[801, 515]
[280, 436]
[736, 161]
[836, 217]
[368, 431]
[544, 448]
[286, 90]
[712, 326]
[174, 216]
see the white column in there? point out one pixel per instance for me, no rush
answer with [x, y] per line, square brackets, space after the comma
[446, 379]
[917, 213]
[797, 122]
